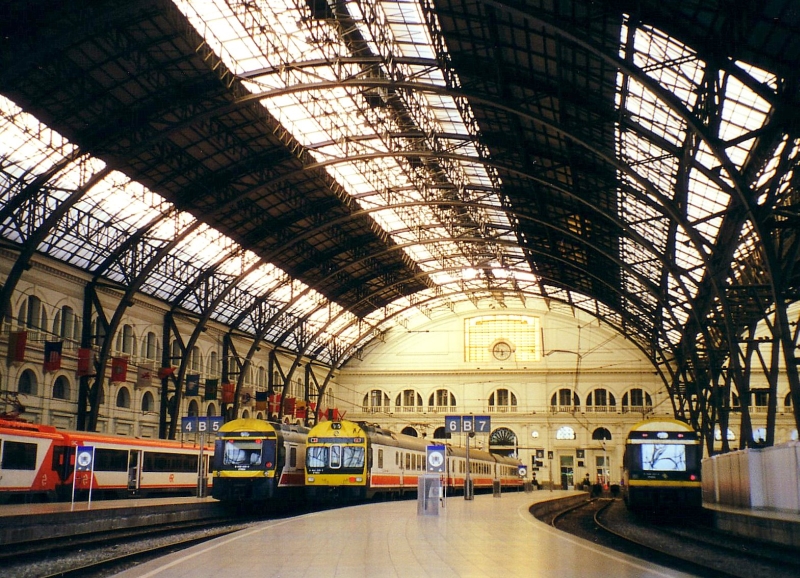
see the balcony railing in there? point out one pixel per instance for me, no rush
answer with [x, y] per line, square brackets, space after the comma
[502, 409]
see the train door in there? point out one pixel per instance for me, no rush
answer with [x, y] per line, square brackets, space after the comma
[567, 472]
[133, 471]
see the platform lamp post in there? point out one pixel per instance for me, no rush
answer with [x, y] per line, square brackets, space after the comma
[469, 493]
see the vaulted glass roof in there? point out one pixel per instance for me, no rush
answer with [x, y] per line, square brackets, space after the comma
[316, 173]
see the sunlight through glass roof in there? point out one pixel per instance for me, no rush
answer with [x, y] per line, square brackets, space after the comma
[356, 128]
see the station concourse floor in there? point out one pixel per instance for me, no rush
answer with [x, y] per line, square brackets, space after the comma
[486, 537]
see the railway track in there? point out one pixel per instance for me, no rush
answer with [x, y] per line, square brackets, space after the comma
[106, 553]
[676, 543]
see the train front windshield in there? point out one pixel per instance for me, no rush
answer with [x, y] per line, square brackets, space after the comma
[663, 458]
[246, 454]
[336, 459]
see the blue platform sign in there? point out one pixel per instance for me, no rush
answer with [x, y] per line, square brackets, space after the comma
[483, 424]
[468, 424]
[84, 456]
[435, 459]
[452, 423]
[201, 424]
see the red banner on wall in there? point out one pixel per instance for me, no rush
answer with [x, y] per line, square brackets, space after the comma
[274, 403]
[228, 391]
[52, 355]
[85, 362]
[165, 372]
[17, 340]
[119, 369]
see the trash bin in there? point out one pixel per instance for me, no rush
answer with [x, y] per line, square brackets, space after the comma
[469, 489]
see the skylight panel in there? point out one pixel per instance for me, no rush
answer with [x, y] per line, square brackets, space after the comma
[672, 64]
[687, 257]
[646, 109]
[331, 121]
[28, 145]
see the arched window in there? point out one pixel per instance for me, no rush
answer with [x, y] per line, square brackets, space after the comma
[503, 442]
[600, 400]
[408, 400]
[761, 400]
[636, 400]
[150, 346]
[718, 434]
[410, 431]
[246, 415]
[564, 400]
[66, 324]
[123, 397]
[503, 436]
[565, 433]
[28, 384]
[441, 400]
[440, 433]
[601, 433]
[503, 400]
[760, 435]
[261, 381]
[126, 342]
[194, 409]
[211, 410]
[148, 402]
[787, 401]
[375, 401]
[176, 355]
[32, 314]
[195, 359]
[98, 331]
[61, 388]
[213, 365]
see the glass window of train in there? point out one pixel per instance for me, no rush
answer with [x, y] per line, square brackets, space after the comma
[408, 461]
[380, 459]
[317, 456]
[336, 457]
[293, 457]
[18, 456]
[353, 457]
[107, 460]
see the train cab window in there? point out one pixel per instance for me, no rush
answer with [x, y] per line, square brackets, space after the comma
[18, 456]
[353, 457]
[336, 457]
[242, 454]
[380, 459]
[317, 457]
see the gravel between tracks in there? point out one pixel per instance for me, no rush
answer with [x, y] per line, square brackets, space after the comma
[722, 554]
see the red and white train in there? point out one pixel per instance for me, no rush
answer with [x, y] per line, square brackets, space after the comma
[37, 463]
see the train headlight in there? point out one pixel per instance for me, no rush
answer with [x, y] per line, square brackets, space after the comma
[311, 479]
[359, 479]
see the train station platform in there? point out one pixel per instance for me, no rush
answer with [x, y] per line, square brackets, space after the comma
[482, 538]
[766, 525]
[26, 522]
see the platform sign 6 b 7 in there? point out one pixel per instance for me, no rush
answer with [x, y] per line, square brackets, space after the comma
[468, 424]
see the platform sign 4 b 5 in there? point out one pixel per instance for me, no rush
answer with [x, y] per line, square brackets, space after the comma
[201, 424]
